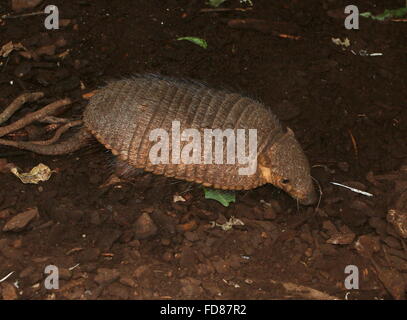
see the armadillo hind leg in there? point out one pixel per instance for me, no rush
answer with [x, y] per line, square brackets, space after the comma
[76, 142]
[123, 169]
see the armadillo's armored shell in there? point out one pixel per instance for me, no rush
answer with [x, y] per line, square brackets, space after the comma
[122, 115]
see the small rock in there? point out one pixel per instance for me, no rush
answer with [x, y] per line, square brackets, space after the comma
[398, 218]
[8, 291]
[204, 269]
[21, 220]
[221, 266]
[4, 214]
[329, 227]
[127, 281]
[392, 242]
[366, 245]
[118, 291]
[20, 5]
[359, 205]
[269, 213]
[46, 50]
[141, 270]
[341, 238]
[191, 287]
[379, 225]
[61, 42]
[167, 256]
[145, 227]
[192, 236]
[108, 238]
[398, 263]
[187, 258]
[393, 281]
[105, 275]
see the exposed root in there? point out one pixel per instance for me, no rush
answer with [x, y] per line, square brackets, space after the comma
[58, 133]
[18, 103]
[77, 141]
[35, 116]
[54, 120]
[46, 147]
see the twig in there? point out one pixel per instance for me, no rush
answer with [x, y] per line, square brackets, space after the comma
[59, 132]
[8, 16]
[320, 191]
[355, 146]
[6, 277]
[18, 103]
[353, 189]
[30, 118]
[305, 292]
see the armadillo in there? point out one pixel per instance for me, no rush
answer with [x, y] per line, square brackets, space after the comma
[123, 113]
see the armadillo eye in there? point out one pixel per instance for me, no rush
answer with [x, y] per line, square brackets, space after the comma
[285, 181]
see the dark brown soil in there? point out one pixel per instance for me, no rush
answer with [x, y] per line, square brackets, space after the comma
[347, 110]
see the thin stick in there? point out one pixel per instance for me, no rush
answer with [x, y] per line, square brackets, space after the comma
[37, 13]
[58, 133]
[18, 103]
[353, 189]
[354, 144]
[305, 292]
[30, 118]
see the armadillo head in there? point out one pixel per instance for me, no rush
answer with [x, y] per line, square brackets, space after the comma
[284, 165]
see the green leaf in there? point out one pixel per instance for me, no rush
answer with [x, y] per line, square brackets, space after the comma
[224, 197]
[366, 14]
[387, 14]
[198, 41]
[216, 3]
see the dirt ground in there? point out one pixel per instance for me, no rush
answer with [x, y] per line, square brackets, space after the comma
[128, 239]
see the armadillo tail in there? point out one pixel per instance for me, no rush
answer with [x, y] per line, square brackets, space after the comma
[76, 142]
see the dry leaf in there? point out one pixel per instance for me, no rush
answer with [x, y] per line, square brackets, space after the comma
[37, 174]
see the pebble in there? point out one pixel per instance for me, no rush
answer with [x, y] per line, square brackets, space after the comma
[8, 291]
[141, 270]
[21, 220]
[191, 287]
[392, 242]
[46, 50]
[145, 227]
[105, 275]
[366, 245]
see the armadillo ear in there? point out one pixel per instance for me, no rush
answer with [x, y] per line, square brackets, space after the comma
[290, 132]
[264, 160]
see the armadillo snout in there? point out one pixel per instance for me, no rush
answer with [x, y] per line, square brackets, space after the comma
[310, 199]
